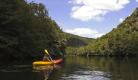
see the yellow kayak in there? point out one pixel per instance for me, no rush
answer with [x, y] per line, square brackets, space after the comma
[47, 63]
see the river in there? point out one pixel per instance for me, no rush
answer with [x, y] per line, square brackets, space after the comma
[72, 68]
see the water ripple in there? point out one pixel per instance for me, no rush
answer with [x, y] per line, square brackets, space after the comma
[22, 65]
[87, 75]
[16, 68]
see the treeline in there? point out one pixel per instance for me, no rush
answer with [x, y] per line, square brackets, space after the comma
[122, 40]
[26, 30]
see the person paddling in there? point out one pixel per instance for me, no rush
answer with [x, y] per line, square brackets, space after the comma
[46, 58]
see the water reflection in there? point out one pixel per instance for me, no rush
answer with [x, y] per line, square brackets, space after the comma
[100, 68]
[47, 69]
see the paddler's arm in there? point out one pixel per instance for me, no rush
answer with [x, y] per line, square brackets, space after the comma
[48, 59]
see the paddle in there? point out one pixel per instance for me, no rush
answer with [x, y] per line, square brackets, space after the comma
[48, 55]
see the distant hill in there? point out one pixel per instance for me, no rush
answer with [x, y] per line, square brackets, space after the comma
[77, 41]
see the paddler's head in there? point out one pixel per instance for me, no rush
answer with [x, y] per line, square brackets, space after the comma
[46, 55]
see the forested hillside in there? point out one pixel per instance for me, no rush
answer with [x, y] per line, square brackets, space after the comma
[26, 30]
[122, 40]
[76, 41]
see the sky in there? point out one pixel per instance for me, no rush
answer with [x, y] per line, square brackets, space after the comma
[88, 18]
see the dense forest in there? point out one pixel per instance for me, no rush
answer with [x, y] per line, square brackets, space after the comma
[122, 40]
[77, 41]
[26, 30]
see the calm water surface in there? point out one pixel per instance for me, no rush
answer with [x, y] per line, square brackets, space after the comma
[73, 68]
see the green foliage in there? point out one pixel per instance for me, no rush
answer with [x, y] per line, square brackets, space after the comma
[120, 41]
[26, 30]
[75, 44]
[76, 41]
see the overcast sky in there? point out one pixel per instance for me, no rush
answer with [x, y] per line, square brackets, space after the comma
[89, 18]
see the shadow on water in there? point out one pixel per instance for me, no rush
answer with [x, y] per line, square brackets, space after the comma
[73, 68]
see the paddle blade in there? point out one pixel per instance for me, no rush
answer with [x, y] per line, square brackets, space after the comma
[46, 51]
